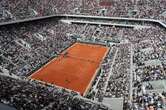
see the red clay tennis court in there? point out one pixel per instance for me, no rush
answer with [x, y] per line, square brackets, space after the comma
[75, 68]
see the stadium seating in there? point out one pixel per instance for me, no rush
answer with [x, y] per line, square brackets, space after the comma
[15, 10]
[137, 56]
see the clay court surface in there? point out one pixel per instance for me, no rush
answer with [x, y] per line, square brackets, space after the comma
[75, 68]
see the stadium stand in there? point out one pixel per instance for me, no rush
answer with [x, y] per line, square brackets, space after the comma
[134, 69]
[15, 10]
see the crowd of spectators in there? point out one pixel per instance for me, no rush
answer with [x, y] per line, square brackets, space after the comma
[153, 9]
[147, 59]
[18, 9]
[33, 95]
[118, 85]
[26, 48]
[150, 73]
[155, 101]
